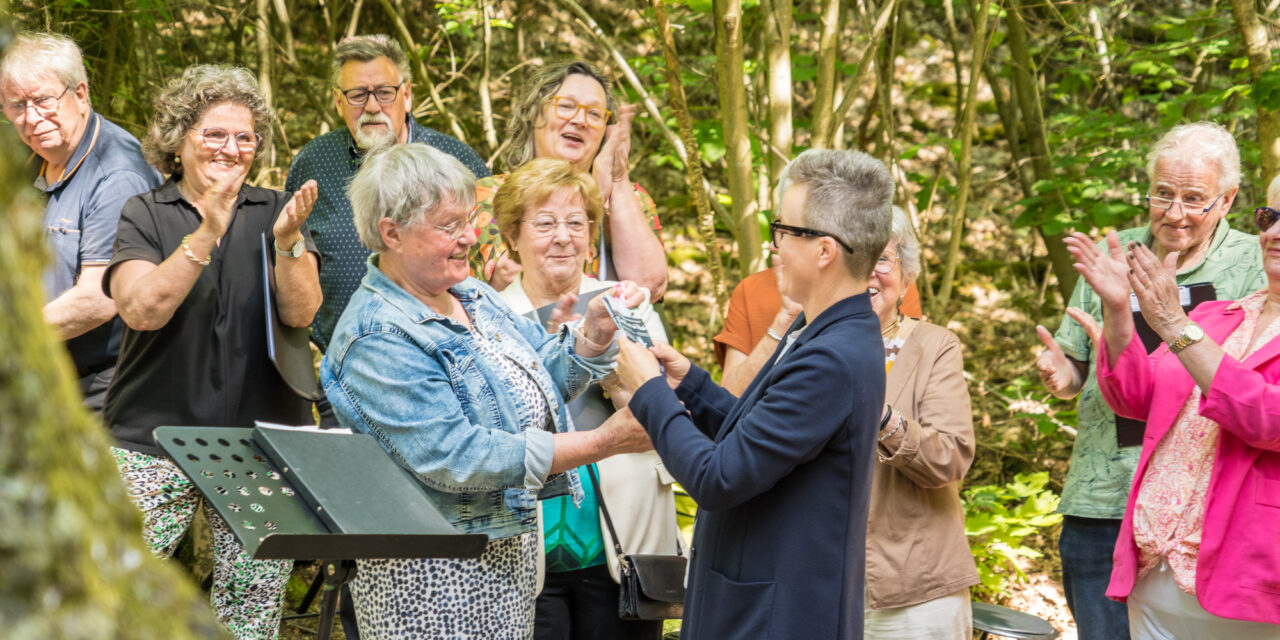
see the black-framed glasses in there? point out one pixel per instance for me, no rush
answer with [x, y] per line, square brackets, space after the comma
[385, 94]
[454, 229]
[776, 229]
[1264, 217]
[568, 108]
[1191, 208]
[216, 138]
[44, 105]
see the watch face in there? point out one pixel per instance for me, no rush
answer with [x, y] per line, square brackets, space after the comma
[1193, 332]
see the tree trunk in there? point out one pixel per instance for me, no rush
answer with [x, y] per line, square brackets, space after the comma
[75, 565]
[737, 144]
[1255, 40]
[825, 91]
[777, 55]
[486, 102]
[693, 166]
[964, 172]
[1028, 93]
[262, 36]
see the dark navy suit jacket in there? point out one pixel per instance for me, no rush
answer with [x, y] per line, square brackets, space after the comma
[782, 477]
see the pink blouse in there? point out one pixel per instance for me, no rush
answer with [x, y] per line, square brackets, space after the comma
[1168, 515]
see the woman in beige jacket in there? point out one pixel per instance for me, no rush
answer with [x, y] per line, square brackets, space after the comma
[919, 568]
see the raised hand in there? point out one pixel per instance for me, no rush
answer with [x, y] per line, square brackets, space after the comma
[1106, 273]
[563, 312]
[610, 165]
[636, 365]
[1157, 291]
[1058, 374]
[289, 223]
[217, 204]
[672, 361]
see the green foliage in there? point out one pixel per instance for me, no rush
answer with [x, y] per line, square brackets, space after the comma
[999, 519]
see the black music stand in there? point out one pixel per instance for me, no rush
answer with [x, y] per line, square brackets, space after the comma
[293, 494]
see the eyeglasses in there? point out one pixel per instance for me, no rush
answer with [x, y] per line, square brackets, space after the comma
[455, 229]
[1264, 217]
[44, 105]
[884, 264]
[386, 94]
[568, 108]
[546, 225]
[776, 229]
[1191, 205]
[215, 139]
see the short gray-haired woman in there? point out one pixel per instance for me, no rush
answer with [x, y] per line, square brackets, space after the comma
[569, 113]
[919, 567]
[466, 394]
[187, 280]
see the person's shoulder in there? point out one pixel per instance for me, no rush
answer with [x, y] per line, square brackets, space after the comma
[929, 333]
[759, 282]
[1237, 240]
[118, 152]
[323, 144]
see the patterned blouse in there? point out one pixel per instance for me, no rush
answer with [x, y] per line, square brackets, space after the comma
[489, 243]
[1168, 516]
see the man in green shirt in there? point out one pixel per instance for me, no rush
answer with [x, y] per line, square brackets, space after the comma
[1195, 176]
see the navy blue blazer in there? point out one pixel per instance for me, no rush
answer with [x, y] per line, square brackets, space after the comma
[782, 477]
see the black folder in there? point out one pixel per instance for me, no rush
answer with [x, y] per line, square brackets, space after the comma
[287, 347]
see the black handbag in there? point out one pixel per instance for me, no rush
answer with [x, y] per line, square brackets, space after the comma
[650, 587]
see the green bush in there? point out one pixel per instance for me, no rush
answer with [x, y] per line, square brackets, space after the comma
[998, 519]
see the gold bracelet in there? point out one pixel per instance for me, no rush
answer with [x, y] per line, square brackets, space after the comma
[192, 256]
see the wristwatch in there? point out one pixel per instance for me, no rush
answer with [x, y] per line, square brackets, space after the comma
[1191, 334]
[295, 251]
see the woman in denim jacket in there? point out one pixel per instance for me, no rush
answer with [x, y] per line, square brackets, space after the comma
[463, 392]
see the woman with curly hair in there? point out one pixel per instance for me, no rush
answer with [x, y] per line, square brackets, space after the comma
[185, 276]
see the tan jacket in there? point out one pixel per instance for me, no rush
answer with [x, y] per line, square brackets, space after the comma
[916, 547]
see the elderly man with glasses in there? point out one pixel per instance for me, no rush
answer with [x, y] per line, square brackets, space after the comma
[1195, 176]
[373, 90]
[87, 167]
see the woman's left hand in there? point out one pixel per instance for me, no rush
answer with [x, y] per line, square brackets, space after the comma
[289, 224]
[598, 326]
[610, 165]
[1156, 289]
[636, 366]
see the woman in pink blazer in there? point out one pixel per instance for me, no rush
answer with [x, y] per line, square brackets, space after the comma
[1199, 549]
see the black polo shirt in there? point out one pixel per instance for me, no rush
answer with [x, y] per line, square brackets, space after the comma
[207, 366]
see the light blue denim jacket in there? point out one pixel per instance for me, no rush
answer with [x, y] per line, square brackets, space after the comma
[412, 378]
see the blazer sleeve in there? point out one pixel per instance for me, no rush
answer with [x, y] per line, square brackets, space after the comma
[938, 444]
[1243, 402]
[789, 424]
[1128, 386]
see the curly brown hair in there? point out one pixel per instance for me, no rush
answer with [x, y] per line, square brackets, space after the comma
[526, 113]
[185, 99]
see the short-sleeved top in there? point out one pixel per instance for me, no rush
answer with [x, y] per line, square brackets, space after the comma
[490, 245]
[754, 303]
[1101, 471]
[208, 365]
[106, 169]
[332, 160]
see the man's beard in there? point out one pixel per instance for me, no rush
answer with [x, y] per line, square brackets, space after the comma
[368, 139]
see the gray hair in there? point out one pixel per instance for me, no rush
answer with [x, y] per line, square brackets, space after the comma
[904, 236]
[185, 99]
[406, 183]
[34, 53]
[368, 48]
[850, 195]
[526, 113]
[1201, 143]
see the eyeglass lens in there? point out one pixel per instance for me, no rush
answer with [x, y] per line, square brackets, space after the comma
[385, 94]
[216, 138]
[568, 108]
[44, 105]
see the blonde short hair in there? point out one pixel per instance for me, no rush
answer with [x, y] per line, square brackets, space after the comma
[535, 182]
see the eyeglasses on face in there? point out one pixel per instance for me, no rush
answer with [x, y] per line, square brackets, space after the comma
[568, 108]
[885, 263]
[385, 94]
[777, 229]
[44, 105]
[1192, 205]
[1264, 217]
[456, 228]
[215, 139]
[577, 226]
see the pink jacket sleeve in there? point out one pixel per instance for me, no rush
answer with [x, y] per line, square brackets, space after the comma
[1127, 388]
[1243, 402]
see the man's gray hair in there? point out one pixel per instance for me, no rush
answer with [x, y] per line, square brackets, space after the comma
[850, 195]
[1200, 143]
[367, 48]
[407, 183]
[908, 247]
[32, 54]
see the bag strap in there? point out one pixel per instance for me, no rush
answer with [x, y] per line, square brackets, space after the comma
[608, 521]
